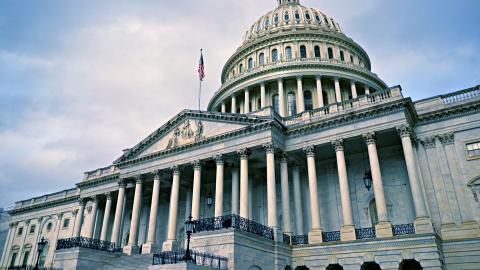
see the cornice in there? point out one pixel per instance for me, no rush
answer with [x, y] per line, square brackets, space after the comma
[448, 113]
[44, 205]
[99, 181]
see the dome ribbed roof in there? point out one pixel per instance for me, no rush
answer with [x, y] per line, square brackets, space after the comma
[291, 15]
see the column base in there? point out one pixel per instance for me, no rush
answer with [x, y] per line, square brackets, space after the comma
[131, 250]
[149, 248]
[315, 236]
[423, 225]
[384, 229]
[170, 245]
[347, 233]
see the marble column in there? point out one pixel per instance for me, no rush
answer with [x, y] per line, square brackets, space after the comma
[348, 229]
[338, 93]
[117, 221]
[79, 218]
[244, 205]
[354, 89]
[150, 246]
[320, 92]
[271, 186]
[262, 95]
[106, 216]
[171, 242]
[281, 98]
[315, 234]
[423, 224]
[235, 191]
[287, 219]
[197, 182]
[384, 227]
[132, 247]
[297, 200]
[246, 106]
[301, 99]
[219, 185]
[234, 104]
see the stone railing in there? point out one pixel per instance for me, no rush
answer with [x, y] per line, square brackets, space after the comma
[344, 106]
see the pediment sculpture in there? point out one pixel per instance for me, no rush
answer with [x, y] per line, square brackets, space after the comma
[185, 134]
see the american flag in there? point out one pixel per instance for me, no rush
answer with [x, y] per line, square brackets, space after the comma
[201, 67]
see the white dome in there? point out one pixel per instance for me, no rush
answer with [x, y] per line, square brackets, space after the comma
[290, 15]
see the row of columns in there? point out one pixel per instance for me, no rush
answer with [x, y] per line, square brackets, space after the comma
[241, 192]
[299, 94]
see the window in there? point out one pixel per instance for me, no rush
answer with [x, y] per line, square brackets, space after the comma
[473, 150]
[32, 229]
[250, 63]
[66, 223]
[20, 231]
[292, 104]
[316, 50]
[274, 55]
[342, 56]
[288, 52]
[275, 103]
[240, 68]
[261, 59]
[303, 52]
[330, 53]
[307, 96]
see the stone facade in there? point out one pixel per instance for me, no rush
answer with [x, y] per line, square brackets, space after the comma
[303, 159]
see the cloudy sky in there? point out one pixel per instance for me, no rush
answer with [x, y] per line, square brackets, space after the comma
[82, 80]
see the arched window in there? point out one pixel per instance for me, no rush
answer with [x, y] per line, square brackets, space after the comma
[330, 53]
[288, 52]
[240, 68]
[372, 207]
[307, 96]
[274, 55]
[291, 104]
[261, 59]
[342, 56]
[250, 63]
[316, 50]
[303, 52]
[275, 103]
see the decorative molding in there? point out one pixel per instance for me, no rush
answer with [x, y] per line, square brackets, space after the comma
[447, 138]
[370, 137]
[338, 145]
[244, 153]
[309, 150]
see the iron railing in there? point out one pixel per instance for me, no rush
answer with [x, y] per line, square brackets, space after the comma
[365, 233]
[89, 243]
[331, 236]
[403, 229]
[199, 258]
[299, 240]
[232, 221]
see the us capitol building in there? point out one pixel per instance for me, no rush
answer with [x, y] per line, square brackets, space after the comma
[305, 159]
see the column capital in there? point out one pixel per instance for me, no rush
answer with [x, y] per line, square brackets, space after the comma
[370, 137]
[404, 131]
[428, 142]
[338, 145]
[283, 157]
[176, 169]
[122, 183]
[244, 153]
[269, 147]
[309, 150]
[219, 159]
[196, 164]
[447, 138]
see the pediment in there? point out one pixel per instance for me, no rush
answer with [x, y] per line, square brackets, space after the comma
[188, 128]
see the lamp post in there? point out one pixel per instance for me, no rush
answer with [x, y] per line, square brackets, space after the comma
[189, 231]
[40, 247]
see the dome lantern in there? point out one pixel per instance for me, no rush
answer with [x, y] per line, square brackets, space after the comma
[283, 2]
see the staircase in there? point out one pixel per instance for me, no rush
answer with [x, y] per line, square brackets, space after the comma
[134, 262]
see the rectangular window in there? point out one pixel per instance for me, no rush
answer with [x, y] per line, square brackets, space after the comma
[32, 229]
[473, 150]
[20, 231]
[66, 223]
